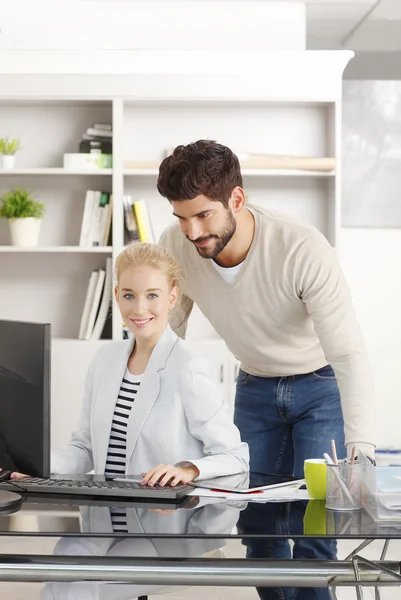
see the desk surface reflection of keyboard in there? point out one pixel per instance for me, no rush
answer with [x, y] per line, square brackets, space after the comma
[122, 489]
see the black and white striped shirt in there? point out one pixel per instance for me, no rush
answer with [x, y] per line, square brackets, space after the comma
[117, 450]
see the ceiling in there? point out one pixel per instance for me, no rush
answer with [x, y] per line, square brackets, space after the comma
[360, 25]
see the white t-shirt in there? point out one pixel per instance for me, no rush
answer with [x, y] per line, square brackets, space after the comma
[228, 273]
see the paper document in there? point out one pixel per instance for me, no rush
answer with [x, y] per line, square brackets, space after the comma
[220, 485]
[290, 493]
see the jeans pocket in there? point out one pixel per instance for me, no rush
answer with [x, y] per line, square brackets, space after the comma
[242, 378]
[326, 373]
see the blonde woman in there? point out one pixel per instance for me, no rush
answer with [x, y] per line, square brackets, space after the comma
[150, 406]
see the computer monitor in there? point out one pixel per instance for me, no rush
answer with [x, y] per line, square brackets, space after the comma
[25, 397]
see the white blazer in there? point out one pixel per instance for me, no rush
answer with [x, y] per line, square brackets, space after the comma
[213, 518]
[178, 415]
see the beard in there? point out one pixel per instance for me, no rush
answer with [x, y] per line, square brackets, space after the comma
[221, 239]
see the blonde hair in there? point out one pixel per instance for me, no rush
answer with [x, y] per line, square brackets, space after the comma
[138, 254]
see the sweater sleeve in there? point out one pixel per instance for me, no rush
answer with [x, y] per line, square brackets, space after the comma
[180, 315]
[322, 287]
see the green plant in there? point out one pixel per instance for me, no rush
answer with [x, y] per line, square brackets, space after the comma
[18, 203]
[9, 145]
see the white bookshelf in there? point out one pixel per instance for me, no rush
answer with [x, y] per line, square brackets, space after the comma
[56, 171]
[281, 173]
[292, 110]
[58, 249]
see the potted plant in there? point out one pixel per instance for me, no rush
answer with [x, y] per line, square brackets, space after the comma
[8, 147]
[24, 216]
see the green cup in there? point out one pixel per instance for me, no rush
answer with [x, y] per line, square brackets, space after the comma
[315, 518]
[315, 478]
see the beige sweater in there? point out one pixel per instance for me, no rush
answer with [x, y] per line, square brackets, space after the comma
[288, 312]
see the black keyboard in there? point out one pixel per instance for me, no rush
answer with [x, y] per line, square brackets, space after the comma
[121, 489]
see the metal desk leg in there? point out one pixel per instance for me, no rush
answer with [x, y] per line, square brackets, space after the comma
[378, 595]
[332, 593]
[350, 556]
[359, 593]
[359, 548]
[359, 559]
[385, 548]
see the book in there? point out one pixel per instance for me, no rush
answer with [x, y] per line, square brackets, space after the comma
[130, 223]
[105, 302]
[96, 220]
[99, 132]
[88, 304]
[107, 226]
[94, 307]
[86, 219]
[143, 221]
[104, 207]
[103, 126]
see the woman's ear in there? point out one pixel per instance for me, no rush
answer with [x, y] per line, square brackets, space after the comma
[173, 297]
[116, 294]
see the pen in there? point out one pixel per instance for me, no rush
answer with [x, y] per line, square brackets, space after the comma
[332, 466]
[334, 452]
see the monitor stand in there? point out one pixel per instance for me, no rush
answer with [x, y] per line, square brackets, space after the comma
[9, 500]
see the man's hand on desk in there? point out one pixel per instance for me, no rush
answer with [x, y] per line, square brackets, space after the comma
[170, 475]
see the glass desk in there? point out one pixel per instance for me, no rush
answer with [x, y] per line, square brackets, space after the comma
[165, 545]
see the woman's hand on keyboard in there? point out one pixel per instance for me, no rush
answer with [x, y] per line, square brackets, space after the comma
[170, 475]
[7, 475]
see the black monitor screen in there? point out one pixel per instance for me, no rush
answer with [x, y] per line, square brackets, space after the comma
[25, 397]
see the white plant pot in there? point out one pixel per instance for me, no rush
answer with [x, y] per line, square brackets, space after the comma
[25, 232]
[8, 161]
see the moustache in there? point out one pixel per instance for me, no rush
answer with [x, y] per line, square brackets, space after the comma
[204, 239]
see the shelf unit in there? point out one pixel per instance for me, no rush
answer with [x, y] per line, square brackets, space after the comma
[56, 171]
[58, 249]
[310, 194]
[294, 110]
[281, 173]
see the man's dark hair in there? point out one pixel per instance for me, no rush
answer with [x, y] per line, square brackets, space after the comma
[200, 168]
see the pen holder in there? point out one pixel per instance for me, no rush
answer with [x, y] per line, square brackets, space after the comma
[344, 486]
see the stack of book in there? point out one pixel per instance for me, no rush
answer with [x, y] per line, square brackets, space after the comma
[97, 308]
[95, 149]
[138, 225]
[96, 220]
[98, 138]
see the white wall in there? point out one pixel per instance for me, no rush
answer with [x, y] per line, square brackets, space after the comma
[374, 65]
[371, 260]
[151, 24]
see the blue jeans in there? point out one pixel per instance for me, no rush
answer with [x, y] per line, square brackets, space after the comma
[286, 420]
